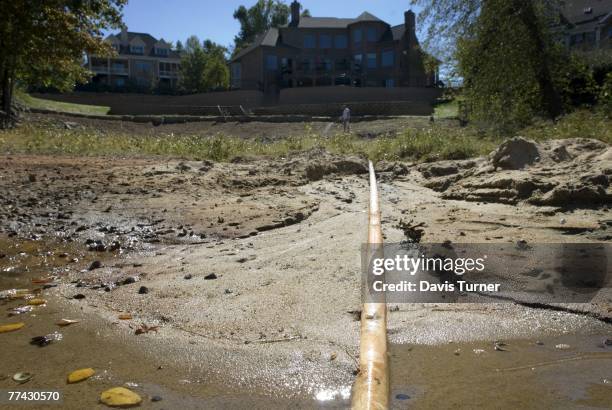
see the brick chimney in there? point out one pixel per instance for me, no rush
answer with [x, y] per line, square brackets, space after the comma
[124, 36]
[295, 13]
[410, 22]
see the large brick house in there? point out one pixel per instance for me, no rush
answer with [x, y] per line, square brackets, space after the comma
[587, 24]
[141, 61]
[321, 51]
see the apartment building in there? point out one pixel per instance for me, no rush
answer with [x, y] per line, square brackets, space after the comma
[322, 51]
[141, 61]
[587, 24]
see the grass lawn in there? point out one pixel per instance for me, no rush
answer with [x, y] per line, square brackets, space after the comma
[447, 110]
[434, 143]
[40, 103]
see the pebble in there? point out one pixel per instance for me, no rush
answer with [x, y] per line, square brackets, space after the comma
[402, 396]
[188, 276]
[95, 265]
[562, 346]
[156, 398]
[143, 290]
[129, 280]
[210, 277]
[79, 296]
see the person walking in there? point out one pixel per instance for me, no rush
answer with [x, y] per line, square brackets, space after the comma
[346, 119]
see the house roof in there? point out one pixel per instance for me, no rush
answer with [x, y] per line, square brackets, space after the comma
[272, 36]
[365, 16]
[583, 11]
[269, 38]
[149, 44]
[398, 31]
[324, 22]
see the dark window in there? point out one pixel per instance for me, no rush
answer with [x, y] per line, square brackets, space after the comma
[342, 64]
[325, 41]
[371, 60]
[137, 49]
[271, 63]
[341, 41]
[286, 64]
[144, 66]
[358, 61]
[161, 51]
[309, 41]
[371, 33]
[589, 37]
[390, 83]
[388, 58]
[357, 35]
[305, 65]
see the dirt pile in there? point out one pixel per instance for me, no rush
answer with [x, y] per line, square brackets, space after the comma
[564, 173]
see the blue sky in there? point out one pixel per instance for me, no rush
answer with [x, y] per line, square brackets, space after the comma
[178, 19]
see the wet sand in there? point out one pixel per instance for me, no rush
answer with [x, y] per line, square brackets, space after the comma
[275, 327]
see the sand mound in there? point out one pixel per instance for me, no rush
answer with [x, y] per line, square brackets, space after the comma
[565, 173]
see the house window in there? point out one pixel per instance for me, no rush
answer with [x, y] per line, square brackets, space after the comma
[358, 61]
[357, 36]
[119, 82]
[309, 41]
[342, 64]
[286, 64]
[144, 66]
[371, 60]
[390, 83]
[137, 49]
[161, 52]
[325, 41]
[371, 33]
[271, 63]
[236, 74]
[305, 65]
[388, 58]
[341, 41]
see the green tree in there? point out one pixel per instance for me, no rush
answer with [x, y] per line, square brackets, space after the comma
[43, 42]
[216, 73]
[203, 66]
[179, 48]
[259, 18]
[510, 63]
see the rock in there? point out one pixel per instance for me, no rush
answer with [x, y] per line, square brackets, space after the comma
[120, 397]
[143, 290]
[129, 280]
[95, 265]
[210, 277]
[183, 167]
[156, 398]
[80, 375]
[78, 296]
[515, 153]
[188, 276]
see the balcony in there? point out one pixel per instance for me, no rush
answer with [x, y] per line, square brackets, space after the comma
[119, 70]
[168, 73]
[100, 69]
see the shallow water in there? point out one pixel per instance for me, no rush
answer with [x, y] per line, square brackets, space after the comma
[459, 375]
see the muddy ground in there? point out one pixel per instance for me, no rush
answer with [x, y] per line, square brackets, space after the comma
[249, 273]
